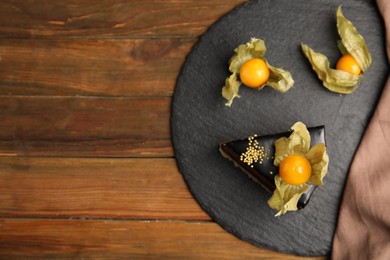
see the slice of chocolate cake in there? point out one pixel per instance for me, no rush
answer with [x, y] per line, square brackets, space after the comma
[255, 156]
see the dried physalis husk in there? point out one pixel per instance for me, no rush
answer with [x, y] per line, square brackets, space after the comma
[286, 196]
[339, 81]
[352, 43]
[279, 79]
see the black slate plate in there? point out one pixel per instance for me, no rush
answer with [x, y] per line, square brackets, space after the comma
[200, 120]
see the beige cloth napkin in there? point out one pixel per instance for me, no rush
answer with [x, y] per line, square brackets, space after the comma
[363, 229]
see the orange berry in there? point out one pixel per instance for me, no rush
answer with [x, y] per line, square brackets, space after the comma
[295, 169]
[254, 73]
[348, 63]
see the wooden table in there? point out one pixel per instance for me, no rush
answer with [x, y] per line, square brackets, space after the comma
[87, 168]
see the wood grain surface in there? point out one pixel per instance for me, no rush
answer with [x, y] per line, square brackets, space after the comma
[87, 239]
[129, 188]
[110, 18]
[87, 168]
[92, 67]
[85, 126]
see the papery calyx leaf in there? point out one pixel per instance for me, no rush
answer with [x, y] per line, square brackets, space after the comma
[230, 90]
[297, 143]
[280, 79]
[319, 160]
[352, 42]
[285, 197]
[255, 48]
[281, 150]
[300, 130]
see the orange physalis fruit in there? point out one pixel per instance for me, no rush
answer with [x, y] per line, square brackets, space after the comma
[348, 63]
[295, 169]
[254, 73]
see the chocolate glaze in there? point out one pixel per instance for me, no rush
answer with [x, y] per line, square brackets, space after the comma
[265, 173]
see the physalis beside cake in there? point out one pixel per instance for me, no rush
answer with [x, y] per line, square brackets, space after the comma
[290, 165]
[249, 67]
[355, 59]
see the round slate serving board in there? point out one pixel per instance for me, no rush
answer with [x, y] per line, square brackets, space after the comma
[200, 120]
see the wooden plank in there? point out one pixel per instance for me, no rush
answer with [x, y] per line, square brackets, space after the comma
[135, 67]
[110, 18]
[64, 239]
[95, 188]
[79, 126]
